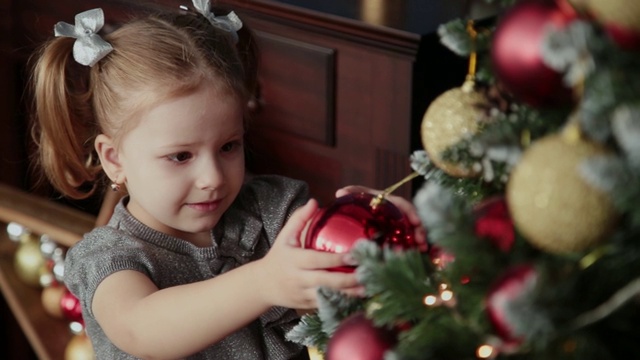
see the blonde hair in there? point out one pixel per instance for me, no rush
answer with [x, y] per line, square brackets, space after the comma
[154, 58]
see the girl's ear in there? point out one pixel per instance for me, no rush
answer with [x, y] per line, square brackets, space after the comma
[109, 158]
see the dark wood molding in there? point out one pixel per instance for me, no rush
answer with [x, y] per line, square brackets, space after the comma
[390, 39]
[43, 216]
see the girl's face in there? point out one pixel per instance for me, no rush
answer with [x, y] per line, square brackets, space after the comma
[184, 163]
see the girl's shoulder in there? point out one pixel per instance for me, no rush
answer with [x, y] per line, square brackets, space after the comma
[106, 236]
[274, 184]
[103, 242]
[273, 193]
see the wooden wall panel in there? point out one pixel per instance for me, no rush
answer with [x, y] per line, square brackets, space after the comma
[12, 155]
[373, 102]
[297, 83]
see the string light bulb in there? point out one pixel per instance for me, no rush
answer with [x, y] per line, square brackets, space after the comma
[486, 351]
[446, 295]
[15, 231]
[430, 300]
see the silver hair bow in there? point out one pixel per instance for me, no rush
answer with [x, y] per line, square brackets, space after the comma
[89, 47]
[230, 22]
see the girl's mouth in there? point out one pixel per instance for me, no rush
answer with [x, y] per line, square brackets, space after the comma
[206, 206]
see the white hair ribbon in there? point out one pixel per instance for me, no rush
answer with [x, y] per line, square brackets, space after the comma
[230, 22]
[89, 47]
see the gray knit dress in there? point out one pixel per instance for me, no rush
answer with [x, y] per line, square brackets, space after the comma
[244, 233]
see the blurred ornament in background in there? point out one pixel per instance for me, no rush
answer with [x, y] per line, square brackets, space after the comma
[493, 222]
[516, 53]
[552, 206]
[337, 227]
[79, 348]
[28, 261]
[46, 274]
[70, 305]
[51, 298]
[626, 39]
[503, 299]
[619, 18]
[357, 338]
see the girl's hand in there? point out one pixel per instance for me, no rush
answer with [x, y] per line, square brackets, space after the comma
[291, 275]
[401, 203]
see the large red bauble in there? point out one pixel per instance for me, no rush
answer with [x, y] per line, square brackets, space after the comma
[70, 305]
[337, 227]
[516, 53]
[356, 338]
[512, 285]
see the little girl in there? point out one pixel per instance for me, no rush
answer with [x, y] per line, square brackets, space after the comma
[196, 261]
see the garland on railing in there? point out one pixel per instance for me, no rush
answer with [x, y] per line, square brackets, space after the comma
[39, 263]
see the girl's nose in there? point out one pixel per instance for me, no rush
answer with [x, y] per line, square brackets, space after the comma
[210, 176]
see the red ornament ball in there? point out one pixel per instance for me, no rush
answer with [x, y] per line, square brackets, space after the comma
[70, 305]
[625, 38]
[516, 53]
[511, 286]
[619, 18]
[357, 338]
[352, 217]
[493, 222]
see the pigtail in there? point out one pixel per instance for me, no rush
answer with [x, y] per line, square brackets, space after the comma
[64, 127]
[249, 55]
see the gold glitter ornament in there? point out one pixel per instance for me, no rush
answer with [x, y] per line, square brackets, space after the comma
[51, 297]
[451, 117]
[454, 116]
[79, 348]
[551, 205]
[28, 262]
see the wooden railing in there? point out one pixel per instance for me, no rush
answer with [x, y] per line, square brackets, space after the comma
[48, 336]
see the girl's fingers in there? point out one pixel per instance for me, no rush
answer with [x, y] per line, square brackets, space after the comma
[356, 291]
[340, 280]
[297, 222]
[406, 207]
[310, 259]
[310, 301]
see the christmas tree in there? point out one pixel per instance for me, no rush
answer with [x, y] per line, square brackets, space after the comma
[531, 201]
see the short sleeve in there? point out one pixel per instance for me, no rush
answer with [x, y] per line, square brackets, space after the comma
[99, 254]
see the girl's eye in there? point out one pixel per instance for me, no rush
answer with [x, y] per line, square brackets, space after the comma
[231, 146]
[180, 157]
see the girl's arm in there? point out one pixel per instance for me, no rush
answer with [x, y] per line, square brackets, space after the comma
[181, 320]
